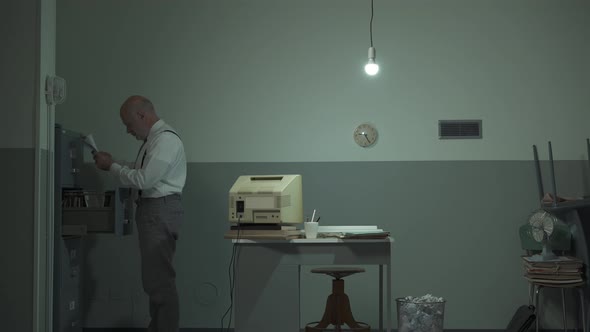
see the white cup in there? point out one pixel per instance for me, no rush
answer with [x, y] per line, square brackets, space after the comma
[311, 229]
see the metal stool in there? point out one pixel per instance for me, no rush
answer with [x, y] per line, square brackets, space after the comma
[337, 310]
[537, 292]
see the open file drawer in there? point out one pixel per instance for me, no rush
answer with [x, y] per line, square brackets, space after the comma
[85, 212]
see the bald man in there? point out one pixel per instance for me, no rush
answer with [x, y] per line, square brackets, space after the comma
[157, 177]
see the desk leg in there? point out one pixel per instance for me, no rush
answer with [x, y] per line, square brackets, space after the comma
[388, 313]
[380, 297]
[299, 298]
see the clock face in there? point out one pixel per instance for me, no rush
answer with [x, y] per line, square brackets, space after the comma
[365, 135]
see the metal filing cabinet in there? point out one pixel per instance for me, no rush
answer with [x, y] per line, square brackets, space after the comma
[78, 211]
[67, 293]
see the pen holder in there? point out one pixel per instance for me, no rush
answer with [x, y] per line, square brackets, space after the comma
[311, 229]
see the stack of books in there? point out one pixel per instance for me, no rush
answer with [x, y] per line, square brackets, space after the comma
[262, 232]
[562, 271]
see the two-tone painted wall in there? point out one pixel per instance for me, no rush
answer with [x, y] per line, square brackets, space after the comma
[259, 87]
[28, 55]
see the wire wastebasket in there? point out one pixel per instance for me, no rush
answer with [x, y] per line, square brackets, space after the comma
[420, 314]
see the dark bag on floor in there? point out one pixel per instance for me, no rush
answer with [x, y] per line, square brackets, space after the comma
[522, 320]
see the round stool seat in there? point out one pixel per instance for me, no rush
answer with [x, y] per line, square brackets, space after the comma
[338, 272]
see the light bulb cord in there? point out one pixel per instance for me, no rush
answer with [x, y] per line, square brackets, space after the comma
[371, 25]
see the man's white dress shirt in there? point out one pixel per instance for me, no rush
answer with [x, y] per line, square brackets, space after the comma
[164, 164]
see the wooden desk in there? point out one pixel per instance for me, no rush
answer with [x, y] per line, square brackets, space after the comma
[267, 281]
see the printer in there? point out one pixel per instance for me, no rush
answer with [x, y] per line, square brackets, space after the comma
[266, 199]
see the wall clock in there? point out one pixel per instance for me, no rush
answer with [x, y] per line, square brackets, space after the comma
[365, 135]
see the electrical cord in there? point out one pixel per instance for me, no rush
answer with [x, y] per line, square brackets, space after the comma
[232, 273]
[371, 25]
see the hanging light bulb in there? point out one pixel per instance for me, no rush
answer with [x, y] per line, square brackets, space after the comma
[371, 68]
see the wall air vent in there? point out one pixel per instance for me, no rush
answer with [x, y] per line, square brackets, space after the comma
[459, 129]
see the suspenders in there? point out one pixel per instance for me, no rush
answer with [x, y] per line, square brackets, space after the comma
[145, 152]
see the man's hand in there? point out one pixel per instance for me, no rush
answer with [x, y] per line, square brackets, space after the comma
[103, 160]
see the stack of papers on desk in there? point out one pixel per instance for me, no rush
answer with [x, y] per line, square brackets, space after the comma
[261, 234]
[352, 232]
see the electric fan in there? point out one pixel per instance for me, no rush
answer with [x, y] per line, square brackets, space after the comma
[542, 224]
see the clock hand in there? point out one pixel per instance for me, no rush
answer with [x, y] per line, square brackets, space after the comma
[364, 134]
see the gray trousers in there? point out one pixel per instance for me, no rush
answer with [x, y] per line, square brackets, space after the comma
[158, 221]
